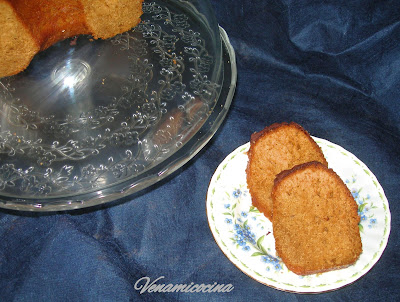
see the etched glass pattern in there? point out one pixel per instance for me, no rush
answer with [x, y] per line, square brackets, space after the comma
[90, 114]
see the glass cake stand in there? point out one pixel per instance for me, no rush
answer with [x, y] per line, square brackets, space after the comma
[91, 121]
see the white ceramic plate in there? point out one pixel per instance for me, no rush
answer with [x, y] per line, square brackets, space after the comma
[245, 235]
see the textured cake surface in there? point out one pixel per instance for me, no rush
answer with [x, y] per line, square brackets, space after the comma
[274, 149]
[315, 221]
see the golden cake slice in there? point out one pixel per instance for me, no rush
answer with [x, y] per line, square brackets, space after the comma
[17, 45]
[274, 149]
[315, 221]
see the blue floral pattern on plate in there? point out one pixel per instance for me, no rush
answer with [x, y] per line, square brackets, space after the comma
[246, 236]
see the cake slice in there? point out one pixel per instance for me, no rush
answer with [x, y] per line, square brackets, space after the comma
[106, 19]
[315, 221]
[274, 149]
[17, 46]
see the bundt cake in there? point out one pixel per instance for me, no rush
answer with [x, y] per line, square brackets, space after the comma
[274, 149]
[315, 221]
[28, 26]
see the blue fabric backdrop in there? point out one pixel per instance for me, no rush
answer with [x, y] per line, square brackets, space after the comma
[331, 66]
